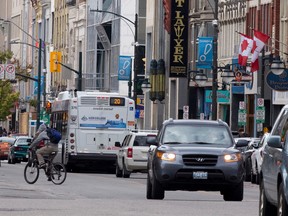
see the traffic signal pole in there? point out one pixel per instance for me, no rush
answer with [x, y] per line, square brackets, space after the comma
[39, 85]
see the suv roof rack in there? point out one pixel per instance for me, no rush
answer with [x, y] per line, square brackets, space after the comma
[146, 131]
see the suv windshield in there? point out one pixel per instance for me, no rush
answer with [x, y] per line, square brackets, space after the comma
[197, 134]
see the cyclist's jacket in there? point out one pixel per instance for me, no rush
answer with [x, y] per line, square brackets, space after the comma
[41, 134]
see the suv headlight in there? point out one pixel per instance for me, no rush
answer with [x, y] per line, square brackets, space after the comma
[232, 157]
[167, 156]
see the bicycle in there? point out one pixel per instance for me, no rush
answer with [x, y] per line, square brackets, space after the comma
[54, 171]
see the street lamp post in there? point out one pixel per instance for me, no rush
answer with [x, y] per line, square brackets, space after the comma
[136, 53]
[215, 63]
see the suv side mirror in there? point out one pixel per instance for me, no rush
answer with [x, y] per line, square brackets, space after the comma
[117, 144]
[274, 141]
[151, 140]
[242, 143]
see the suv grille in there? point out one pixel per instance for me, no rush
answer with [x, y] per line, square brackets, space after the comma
[200, 160]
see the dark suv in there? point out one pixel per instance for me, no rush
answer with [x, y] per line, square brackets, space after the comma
[195, 155]
[273, 175]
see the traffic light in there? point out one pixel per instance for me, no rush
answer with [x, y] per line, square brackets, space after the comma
[48, 107]
[139, 81]
[55, 60]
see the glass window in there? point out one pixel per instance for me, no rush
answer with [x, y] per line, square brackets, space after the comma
[281, 125]
[140, 141]
[197, 134]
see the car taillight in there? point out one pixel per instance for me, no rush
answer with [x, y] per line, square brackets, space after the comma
[130, 152]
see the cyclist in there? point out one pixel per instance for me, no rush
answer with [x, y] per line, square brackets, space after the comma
[49, 147]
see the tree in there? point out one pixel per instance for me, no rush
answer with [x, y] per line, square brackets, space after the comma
[8, 96]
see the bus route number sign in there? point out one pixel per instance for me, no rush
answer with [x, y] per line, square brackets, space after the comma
[117, 101]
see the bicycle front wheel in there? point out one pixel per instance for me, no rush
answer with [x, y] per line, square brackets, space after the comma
[31, 172]
[58, 173]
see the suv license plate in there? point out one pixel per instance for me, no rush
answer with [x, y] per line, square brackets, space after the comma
[200, 175]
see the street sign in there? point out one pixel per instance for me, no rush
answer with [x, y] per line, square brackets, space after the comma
[260, 102]
[242, 105]
[185, 115]
[10, 71]
[185, 109]
[259, 127]
[2, 71]
[260, 114]
[241, 117]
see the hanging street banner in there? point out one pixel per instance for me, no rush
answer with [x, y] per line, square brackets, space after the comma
[205, 52]
[124, 68]
[35, 87]
[179, 38]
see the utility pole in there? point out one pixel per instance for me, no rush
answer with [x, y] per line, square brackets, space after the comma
[39, 85]
[215, 63]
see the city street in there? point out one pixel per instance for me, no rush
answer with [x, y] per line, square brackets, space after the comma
[104, 194]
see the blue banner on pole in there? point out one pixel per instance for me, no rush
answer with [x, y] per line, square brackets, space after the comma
[124, 68]
[205, 52]
[35, 87]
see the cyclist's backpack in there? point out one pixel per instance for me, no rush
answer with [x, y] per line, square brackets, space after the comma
[54, 135]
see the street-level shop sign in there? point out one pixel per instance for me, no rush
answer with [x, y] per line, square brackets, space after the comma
[278, 82]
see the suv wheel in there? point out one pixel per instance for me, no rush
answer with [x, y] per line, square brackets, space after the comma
[118, 171]
[248, 170]
[148, 188]
[282, 204]
[234, 193]
[125, 172]
[157, 190]
[265, 207]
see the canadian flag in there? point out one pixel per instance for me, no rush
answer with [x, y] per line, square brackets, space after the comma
[246, 45]
[259, 42]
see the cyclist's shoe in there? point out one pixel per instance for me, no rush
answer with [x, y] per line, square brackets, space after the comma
[49, 179]
[42, 166]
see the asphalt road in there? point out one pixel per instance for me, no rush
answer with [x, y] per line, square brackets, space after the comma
[100, 194]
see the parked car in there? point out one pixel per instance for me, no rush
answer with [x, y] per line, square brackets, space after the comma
[18, 151]
[5, 143]
[247, 151]
[256, 159]
[132, 155]
[195, 155]
[273, 176]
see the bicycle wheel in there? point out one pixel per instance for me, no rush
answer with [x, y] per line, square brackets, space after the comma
[31, 172]
[58, 173]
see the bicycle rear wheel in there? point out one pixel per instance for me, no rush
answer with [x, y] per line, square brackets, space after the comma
[31, 172]
[58, 173]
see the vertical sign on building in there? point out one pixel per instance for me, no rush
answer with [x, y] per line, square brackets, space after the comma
[179, 38]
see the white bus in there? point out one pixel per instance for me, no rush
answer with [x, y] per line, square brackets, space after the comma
[91, 123]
